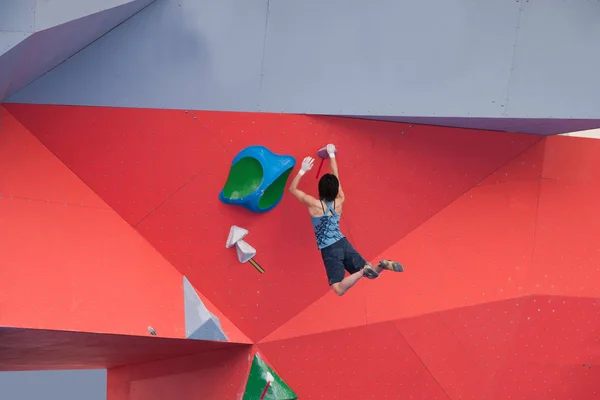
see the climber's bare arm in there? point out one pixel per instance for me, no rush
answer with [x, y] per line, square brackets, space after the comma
[334, 167]
[299, 194]
[334, 171]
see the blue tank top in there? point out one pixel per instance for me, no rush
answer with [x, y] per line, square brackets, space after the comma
[327, 227]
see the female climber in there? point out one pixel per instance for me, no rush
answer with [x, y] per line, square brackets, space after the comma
[337, 252]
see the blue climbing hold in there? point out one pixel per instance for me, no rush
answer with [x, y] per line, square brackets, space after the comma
[257, 179]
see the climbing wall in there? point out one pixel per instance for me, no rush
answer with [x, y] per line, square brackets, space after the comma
[42, 349]
[162, 171]
[68, 260]
[499, 298]
[517, 349]
[219, 374]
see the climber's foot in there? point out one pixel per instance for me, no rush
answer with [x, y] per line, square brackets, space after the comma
[369, 272]
[391, 265]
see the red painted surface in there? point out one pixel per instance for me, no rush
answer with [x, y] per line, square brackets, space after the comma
[487, 331]
[365, 362]
[32, 349]
[558, 330]
[215, 375]
[487, 224]
[133, 158]
[69, 262]
[233, 333]
[526, 381]
[460, 373]
[526, 166]
[567, 254]
[478, 249]
[573, 160]
[394, 175]
[31, 172]
[472, 353]
[328, 313]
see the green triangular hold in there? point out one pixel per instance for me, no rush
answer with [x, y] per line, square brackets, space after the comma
[260, 374]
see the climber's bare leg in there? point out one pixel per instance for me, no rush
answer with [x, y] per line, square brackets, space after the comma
[342, 287]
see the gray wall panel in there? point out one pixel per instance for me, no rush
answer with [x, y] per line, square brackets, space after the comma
[45, 49]
[63, 385]
[49, 13]
[389, 57]
[557, 62]
[173, 54]
[540, 126]
[17, 15]
[481, 63]
[8, 40]
[9, 64]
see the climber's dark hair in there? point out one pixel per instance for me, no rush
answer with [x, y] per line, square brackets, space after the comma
[329, 187]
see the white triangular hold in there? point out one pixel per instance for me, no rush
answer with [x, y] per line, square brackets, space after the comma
[200, 323]
[244, 251]
[235, 234]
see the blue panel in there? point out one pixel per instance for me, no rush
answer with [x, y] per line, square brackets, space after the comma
[48, 48]
[17, 15]
[557, 61]
[389, 57]
[56, 12]
[174, 54]
[64, 385]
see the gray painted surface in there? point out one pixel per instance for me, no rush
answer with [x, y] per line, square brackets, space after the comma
[173, 54]
[63, 385]
[8, 40]
[557, 62]
[9, 66]
[209, 330]
[522, 125]
[389, 57]
[43, 50]
[17, 15]
[460, 60]
[49, 13]
[200, 324]
[16, 25]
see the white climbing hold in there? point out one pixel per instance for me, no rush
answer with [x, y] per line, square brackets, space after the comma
[235, 235]
[245, 252]
[270, 377]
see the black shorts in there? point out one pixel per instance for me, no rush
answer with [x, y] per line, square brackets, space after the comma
[341, 256]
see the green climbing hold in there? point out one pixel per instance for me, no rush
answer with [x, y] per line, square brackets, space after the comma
[272, 194]
[244, 178]
[257, 179]
[261, 376]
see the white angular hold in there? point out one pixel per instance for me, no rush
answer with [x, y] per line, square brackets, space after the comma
[270, 377]
[244, 251]
[235, 234]
[200, 323]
